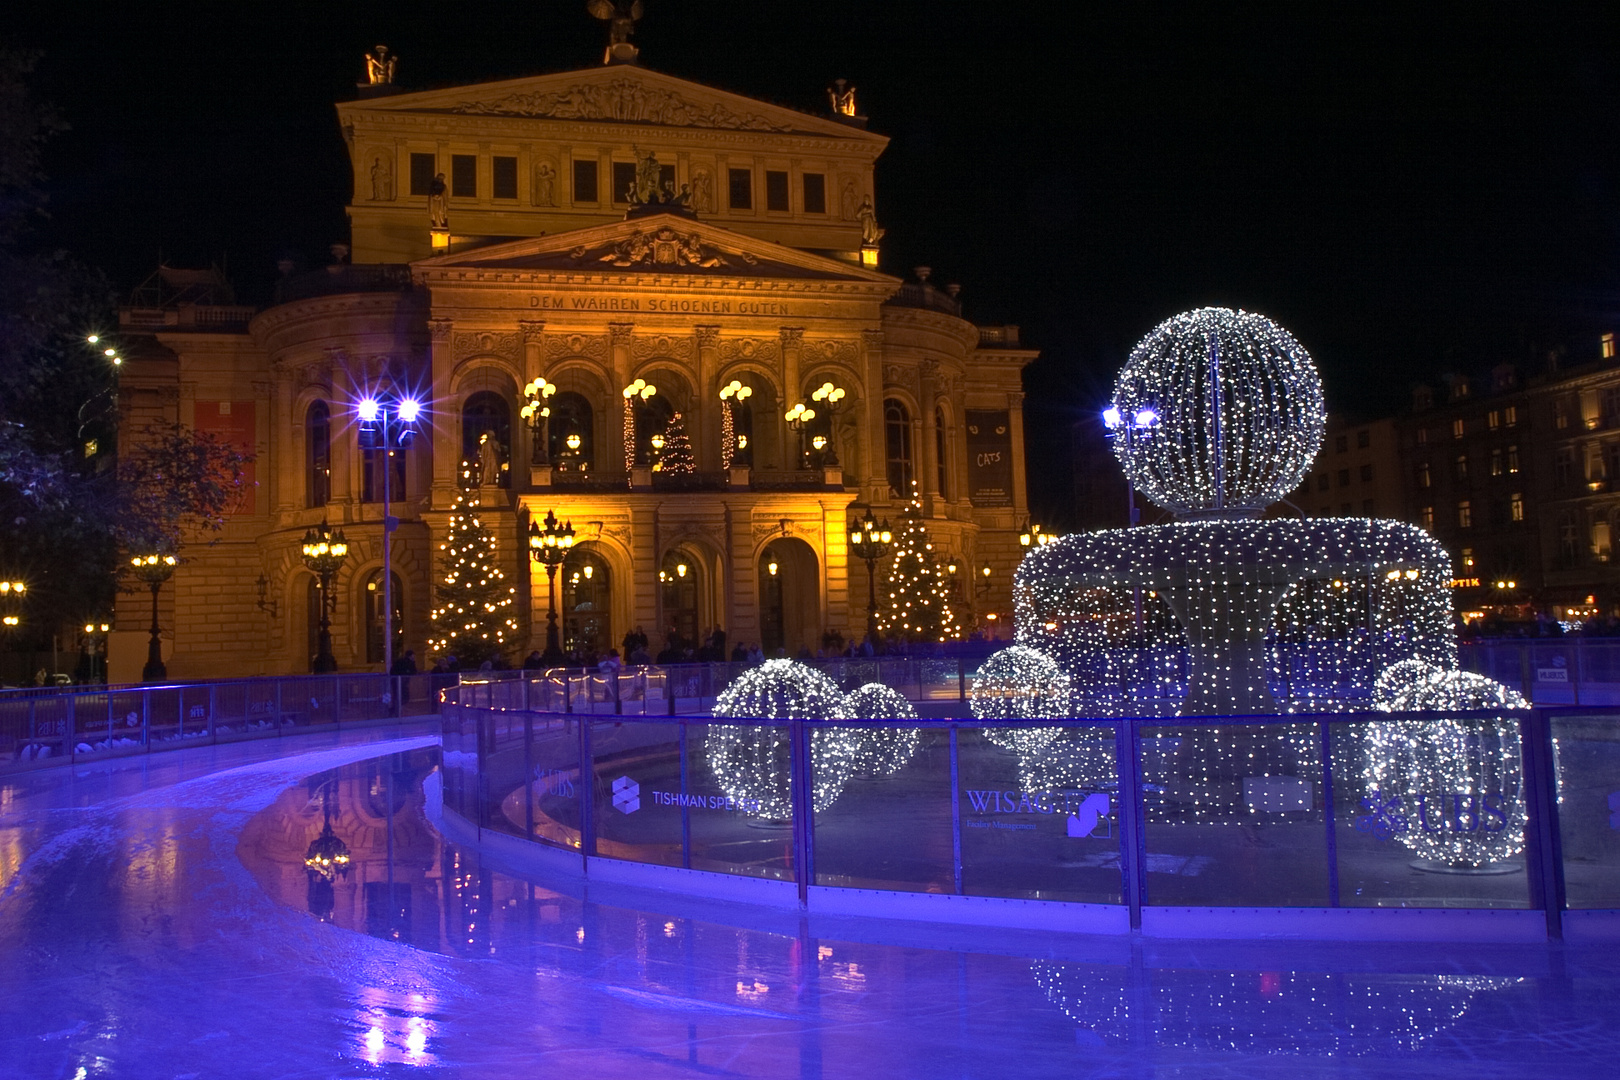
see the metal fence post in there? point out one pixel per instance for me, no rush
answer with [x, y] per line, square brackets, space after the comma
[803, 808]
[1329, 818]
[956, 814]
[1575, 676]
[1544, 854]
[686, 811]
[1128, 754]
[213, 700]
[72, 726]
[961, 696]
[587, 797]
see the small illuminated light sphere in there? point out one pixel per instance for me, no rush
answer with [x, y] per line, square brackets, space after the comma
[1019, 683]
[1238, 409]
[752, 761]
[881, 751]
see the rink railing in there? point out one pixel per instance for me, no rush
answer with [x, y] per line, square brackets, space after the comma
[1308, 825]
[48, 726]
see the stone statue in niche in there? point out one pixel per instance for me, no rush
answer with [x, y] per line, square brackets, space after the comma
[489, 461]
[382, 180]
[870, 233]
[439, 203]
[702, 191]
[380, 66]
[545, 184]
[849, 202]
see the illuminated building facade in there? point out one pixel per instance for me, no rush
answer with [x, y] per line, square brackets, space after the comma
[598, 229]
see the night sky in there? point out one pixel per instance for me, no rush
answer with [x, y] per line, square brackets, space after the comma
[1409, 188]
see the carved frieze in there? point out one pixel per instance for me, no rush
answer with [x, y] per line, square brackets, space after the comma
[792, 337]
[439, 330]
[749, 349]
[507, 346]
[665, 247]
[532, 330]
[624, 100]
[708, 337]
[899, 375]
[832, 352]
[646, 348]
[561, 345]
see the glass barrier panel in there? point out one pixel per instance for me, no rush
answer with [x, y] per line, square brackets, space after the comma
[1599, 662]
[259, 700]
[129, 723]
[883, 807]
[553, 782]
[1430, 812]
[1233, 816]
[459, 761]
[740, 810]
[1039, 812]
[506, 771]
[1586, 753]
[639, 800]
[1553, 672]
[315, 704]
[91, 724]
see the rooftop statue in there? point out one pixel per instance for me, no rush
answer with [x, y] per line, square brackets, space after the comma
[621, 19]
[380, 66]
[843, 101]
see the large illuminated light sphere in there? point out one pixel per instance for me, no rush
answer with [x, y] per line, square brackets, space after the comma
[881, 750]
[753, 762]
[1231, 413]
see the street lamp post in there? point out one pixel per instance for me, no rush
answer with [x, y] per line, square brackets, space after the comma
[538, 414]
[1139, 425]
[95, 634]
[154, 568]
[549, 547]
[388, 426]
[324, 552]
[870, 541]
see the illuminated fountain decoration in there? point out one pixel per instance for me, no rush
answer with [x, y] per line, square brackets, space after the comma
[1019, 683]
[881, 751]
[1219, 612]
[753, 762]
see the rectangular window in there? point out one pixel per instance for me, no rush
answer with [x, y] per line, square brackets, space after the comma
[1516, 506]
[584, 181]
[1606, 346]
[1513, 459]
[1341, 443]
[741, 187]
[1560, 414]
[1366, 474]
[1468, 557]
[1457, 428]
[1609, 405]
[1321, 481]
[1459, 469]
[776, 190]
[1426, 518]
[503, 177]
[1496, 462]
[1363, 439]
[1493, 419]
[422, 168]
[1465, 515]
[1510, 415]
[1563, 468]
[1422, 474]
[1344, 477]
[1568, 538]
[624, 178]
[1367, 507]
[815, 193]
[464, 176]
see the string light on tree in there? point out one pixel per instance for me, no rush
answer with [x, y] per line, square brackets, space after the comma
[675, 456]
[732, 395]
[474, 617]
[919, 595]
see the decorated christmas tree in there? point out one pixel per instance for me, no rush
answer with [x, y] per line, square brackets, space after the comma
[676, 457]
[918, 607]
[473, 619]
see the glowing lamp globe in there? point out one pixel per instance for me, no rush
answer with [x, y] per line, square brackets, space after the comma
[1238, 410]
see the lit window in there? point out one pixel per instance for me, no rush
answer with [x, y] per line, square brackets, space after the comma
[1457, 428]
[1496, 462]
[1510, 415]
[1516, 506]
[1468, 556]
[1608, 346]
[1513, 459]
[1426, 518]
[1493, 419]
[1423, 474]
[1459, 469]
[1465, 515]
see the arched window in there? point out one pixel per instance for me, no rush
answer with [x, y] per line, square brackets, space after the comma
[374, 617]
[742, 431]
[897, 444]
[587, 591]
[487, 412]
[317, 454]
[572, 418]
[940, 458]
[652, 418]
[678, 576]
[371, 480]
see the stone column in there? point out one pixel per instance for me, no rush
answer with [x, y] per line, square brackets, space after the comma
[447, 431]
[792, 354]
[875, 485]
[1015, 425]
[707, 428]
[927, 392]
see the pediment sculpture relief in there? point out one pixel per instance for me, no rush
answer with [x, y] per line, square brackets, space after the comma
[624, 100]
[663, 246]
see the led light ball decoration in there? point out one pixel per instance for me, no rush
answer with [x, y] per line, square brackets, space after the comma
[753, 762]
[882, 751]
[1019, 683]
[1239, 413]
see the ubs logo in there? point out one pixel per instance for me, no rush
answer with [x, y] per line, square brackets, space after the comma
[1431, 812]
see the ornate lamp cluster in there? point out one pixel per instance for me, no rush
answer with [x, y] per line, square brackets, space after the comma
[154, 568]
[870, 541]
[549, 546]
[325, 549]
[11, 593]
[831, 398]
[797, 418]
[538, 414]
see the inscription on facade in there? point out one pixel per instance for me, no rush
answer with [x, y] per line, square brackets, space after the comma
[659, 304]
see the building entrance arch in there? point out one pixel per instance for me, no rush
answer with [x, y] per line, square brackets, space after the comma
[789, 598]
[587, 600]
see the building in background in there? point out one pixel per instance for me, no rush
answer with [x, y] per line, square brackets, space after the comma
[1355, 474]
[599, 229]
